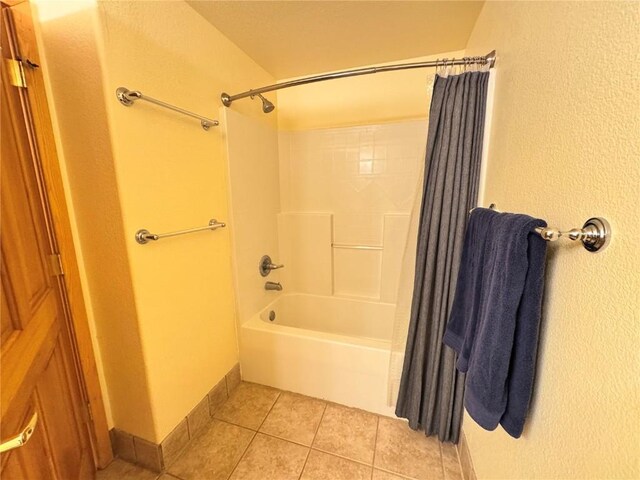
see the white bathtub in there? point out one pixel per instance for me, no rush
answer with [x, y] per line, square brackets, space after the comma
[326, 347]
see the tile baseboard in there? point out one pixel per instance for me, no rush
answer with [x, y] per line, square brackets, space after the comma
[158, 457]
[464, 456]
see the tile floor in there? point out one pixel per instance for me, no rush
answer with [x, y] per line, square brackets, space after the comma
[264, 434]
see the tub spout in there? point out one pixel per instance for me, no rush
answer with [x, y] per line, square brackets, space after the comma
[273, 286]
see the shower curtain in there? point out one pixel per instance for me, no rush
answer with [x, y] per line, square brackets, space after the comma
[430, 389]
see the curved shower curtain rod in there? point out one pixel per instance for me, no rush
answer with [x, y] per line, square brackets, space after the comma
[227, 99]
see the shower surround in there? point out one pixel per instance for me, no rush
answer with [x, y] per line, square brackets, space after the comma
[345, 196]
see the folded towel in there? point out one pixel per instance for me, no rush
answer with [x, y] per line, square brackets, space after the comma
[495, 316]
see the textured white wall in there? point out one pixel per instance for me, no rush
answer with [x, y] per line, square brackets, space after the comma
[564, 147]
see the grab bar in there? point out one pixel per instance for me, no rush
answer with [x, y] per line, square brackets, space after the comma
[143, 236]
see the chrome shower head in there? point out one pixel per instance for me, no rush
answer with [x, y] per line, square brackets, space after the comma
[267, 106]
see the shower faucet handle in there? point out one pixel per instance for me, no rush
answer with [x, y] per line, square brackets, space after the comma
[266, 265]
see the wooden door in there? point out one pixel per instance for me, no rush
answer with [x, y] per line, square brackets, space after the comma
[40, 374]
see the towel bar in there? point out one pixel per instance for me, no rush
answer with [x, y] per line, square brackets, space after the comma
[595, 234]
[127, 98]
[143, 236]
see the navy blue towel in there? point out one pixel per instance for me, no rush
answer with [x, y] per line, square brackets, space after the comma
[495, 317]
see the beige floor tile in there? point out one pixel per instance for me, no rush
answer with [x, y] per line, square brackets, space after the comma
[119, 469]
[347, 432]
[270, 458]
[213, 453]
[148, 454]
[198, 418]
[465, 459]
[248, 405]
[217, 396]
[122, 443]
[449, 453]
[452, 473]
[450, 464]
[322, 466]
[175, 442]
[380, 475]
[406, 452]
[233, 379]
[294, 417]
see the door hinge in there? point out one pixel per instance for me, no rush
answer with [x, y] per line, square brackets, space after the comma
[89, 412]
[56, 264]
[16, 73]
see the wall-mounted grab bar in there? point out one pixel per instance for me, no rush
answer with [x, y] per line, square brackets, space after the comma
[143, 236]
[127, 97]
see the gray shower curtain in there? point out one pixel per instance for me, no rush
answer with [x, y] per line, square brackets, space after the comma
[431, 389]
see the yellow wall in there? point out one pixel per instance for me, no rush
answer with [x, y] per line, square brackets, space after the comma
[367, 99]
[51, 67]
[78, 111]
[564, 147]
[165, 173]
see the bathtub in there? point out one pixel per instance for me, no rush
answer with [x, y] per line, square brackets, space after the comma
[326, 347]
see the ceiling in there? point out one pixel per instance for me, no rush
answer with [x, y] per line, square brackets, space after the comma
[296, 38]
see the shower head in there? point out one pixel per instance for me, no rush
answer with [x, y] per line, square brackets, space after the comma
[267, 106]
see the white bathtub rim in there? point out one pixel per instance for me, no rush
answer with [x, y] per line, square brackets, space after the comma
[368, 300]
[257, 323]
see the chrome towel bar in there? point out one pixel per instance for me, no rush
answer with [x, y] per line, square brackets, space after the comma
[143, 236]
[595, 234]
[357, 247]
[127, 98]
